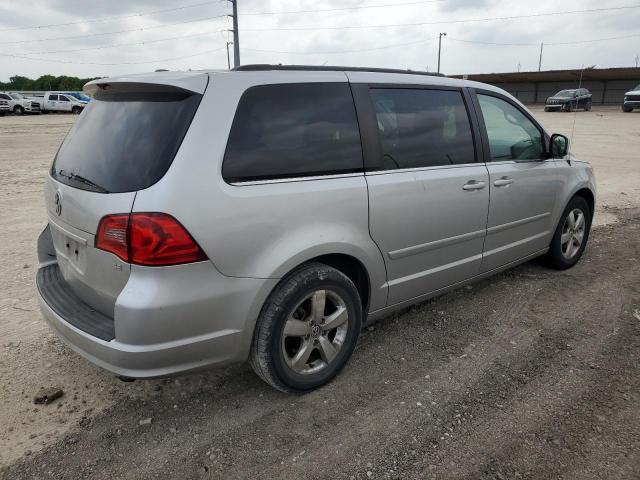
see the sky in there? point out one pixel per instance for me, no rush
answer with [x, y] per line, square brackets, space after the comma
[111, 37]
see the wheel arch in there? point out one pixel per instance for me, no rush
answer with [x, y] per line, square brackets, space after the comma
[352, 268]
[588, 195]
[349, 265]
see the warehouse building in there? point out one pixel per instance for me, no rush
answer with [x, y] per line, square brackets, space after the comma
[607, 85]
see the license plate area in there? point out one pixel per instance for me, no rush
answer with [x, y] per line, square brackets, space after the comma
[71, 249]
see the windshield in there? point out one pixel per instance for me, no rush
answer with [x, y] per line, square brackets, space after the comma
[78, 95]
[124, 141]
[16, 96]
[637, 88]
[565, 93]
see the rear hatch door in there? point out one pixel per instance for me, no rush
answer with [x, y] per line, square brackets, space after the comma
[124, 141]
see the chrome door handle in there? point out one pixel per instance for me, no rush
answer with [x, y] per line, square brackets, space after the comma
[503, 182]
[473, 185]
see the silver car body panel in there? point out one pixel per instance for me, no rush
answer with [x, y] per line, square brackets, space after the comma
[416, 232]
[430, 229]
[96, 276]
[520, 218]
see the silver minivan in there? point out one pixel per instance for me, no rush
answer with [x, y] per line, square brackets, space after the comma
[269, 212]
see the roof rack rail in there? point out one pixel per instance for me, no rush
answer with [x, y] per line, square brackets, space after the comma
[332, 68]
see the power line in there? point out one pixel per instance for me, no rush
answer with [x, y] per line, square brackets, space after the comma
[116, 45]
[443, 22]
[342, 51]
[75, 62]
[139, 29]
[497, 44]
[593, 40]
[575, 42]
[115, 17]
[360, 7]
[330, 52]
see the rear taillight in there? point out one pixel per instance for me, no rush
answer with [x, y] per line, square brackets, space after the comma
[152, 239]
[112, 235]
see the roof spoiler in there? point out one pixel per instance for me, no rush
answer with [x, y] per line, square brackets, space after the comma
[191, 82]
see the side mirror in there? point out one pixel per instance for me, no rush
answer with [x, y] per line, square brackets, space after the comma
[558, 146]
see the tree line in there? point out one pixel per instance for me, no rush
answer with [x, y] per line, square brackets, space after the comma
[45, 82]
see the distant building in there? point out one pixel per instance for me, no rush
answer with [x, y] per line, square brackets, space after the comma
[608, 85]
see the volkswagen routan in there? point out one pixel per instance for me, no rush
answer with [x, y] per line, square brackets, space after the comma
[267, 213]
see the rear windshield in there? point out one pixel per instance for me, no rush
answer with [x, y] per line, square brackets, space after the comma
[124, 142]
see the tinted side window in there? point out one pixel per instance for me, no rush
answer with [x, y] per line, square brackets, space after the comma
[62, 98]
[293, 130]
[512, 136]
[53, 97]
[422, 128]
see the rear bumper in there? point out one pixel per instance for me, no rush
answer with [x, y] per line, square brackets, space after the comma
[166, 320]
[145, 361]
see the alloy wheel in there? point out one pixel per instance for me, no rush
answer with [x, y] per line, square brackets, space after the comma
[315, 332]
[572, 233]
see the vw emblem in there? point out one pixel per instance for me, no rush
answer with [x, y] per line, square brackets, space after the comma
[57, 199]
[315, 331]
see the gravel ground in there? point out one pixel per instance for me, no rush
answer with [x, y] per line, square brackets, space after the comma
[530, 374]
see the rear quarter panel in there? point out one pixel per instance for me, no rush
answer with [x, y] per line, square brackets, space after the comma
[261, 230]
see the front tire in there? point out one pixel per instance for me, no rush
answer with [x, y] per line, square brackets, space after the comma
[571, 235]
[626, 109]
[18, 110]
[307, 330]
[76, 110]
[587, 108]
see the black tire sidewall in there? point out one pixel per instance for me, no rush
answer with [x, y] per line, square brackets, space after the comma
[278, 309]
[18, 110]
[558, 260]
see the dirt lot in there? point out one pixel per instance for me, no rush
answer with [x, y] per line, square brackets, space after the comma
[530, 374]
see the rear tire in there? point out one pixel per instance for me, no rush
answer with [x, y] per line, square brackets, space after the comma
[307, 330]
[587, 108]
[571, 235]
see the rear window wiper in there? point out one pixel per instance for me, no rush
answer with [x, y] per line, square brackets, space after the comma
[81, 179]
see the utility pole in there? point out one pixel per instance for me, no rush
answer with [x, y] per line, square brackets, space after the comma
[637, 60]
[442, 34]
[540, 61]
[228, 61]
[236, 35]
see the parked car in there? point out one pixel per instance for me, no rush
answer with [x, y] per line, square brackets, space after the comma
[37, 100]
[63, 102]
[18, 104]
[79, 96]
[267, 213]
[569, 100]
[4, 107]
[631, 100]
